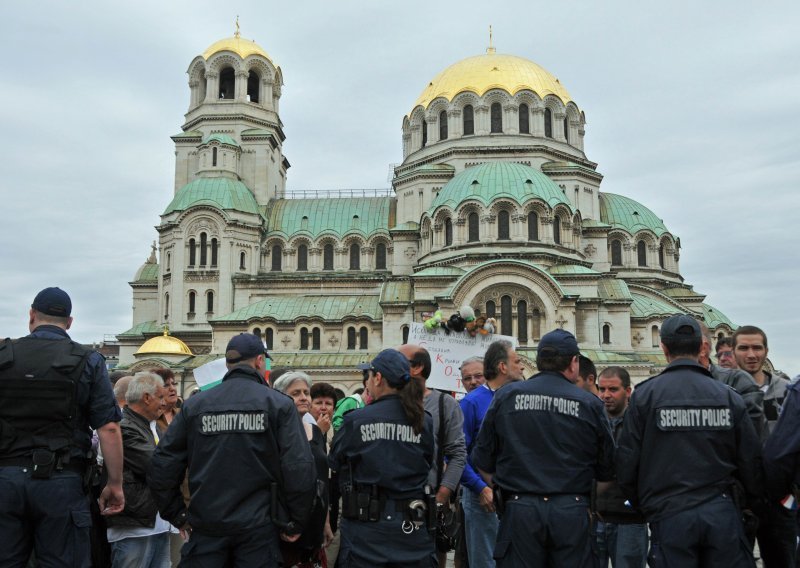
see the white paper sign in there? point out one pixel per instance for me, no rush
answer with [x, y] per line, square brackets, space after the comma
[210, 375]
[448, 352]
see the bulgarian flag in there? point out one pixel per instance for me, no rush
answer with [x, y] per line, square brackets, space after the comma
[210, 375]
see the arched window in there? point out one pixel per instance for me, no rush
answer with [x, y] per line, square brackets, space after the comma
[203, 249]
[405, 334]
[536, 320]
[616, 253]
[351, 338]
[443, 125]
[448, 232]
[257, 332]
[469, 120]
[227, 83]
[606, 334]
[166, 306]
[210, 302]
[268, 337]
[566, 129]
[557, 230]
[302, 258]
[533, 226]
[277, 253]
[315, 339]
[656, 338]
[192, 301]
[363, 338]
[424, 133]
[503, 228]
[548, 123]
[303, 338]
[355, 257]
[524, 119]
[327, 257]
[213, 252]
[380, 256]
[192, 252]
[506, 327]
[522, 321]
[253, 86]
[169, 261]
[214, 157]
[641, 253]
[242, 260]
[661, 255]
[491, 309]
[497, 118]
[473, 228]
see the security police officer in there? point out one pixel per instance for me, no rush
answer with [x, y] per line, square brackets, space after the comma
[246, 450]
[684, 440]
[53, 391]
[542, 443]
[383, 453]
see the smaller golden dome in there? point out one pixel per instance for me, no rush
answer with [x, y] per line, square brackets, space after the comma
[238, 45]
[164, 345]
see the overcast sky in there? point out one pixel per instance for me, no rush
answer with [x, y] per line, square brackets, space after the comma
[691, 107]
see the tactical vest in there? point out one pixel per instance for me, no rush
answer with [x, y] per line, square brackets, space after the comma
[38, 396]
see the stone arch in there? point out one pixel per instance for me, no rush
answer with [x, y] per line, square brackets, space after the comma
[264, 70]
[496, 96]
[555, 105]
[417, 117]
[504, 204]
[202, 223]
[465, 98]
[529, 98]
[197, 69]
[435, 107]
[222, 60]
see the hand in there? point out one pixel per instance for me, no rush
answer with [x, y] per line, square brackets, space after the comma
[328, 535]
[111, 500]
[486, 499]
[289, 538]
[443, 495]
[324, 423]
[186, 532]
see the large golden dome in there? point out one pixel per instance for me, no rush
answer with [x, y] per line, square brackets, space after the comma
[238, 45]
[482, 73]
[164, 345]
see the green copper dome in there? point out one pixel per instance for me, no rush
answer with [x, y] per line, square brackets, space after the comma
[222, 193]
[630, 215]
[493, 180]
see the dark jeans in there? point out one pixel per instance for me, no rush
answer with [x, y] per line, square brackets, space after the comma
[710, 535]
[777, 536]
[252, 547]
[624, 545]
[50, 515]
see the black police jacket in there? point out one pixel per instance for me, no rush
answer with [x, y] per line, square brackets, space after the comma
[231, 438]
[545, 436]
[378, 445]
[683, 441]
[138, 445]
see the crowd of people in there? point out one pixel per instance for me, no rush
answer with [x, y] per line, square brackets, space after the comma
[569, 467]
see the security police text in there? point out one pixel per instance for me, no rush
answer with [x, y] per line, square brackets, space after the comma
[389, 431]
[694, 419]
[232, 422]
[547, 403]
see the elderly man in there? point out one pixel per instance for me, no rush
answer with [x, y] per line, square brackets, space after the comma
[53, 392]
[242, 442]
[139, 537]
[472, 373]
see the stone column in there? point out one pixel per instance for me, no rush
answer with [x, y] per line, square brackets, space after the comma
[537, 122]
[454, 124]
[487, 226]
[511, 119]
[481, 116]
[212, 87]
[193, 93]
[558, 127]
[240, 90]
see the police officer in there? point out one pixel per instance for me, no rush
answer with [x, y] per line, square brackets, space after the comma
[542, 443]
[684, 440]
[53, 391]
[383, 453]
[246, 450]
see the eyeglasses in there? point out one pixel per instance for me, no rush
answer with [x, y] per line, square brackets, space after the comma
[722, 354]
[472, 377]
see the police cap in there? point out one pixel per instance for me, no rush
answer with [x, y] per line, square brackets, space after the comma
[53, 302]
[243, 347]
[680, 326]
[558, 342]
[392, 365]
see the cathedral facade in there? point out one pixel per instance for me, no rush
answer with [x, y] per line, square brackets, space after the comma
[495, 206]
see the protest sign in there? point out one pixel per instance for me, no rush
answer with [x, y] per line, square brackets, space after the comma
[448, 351]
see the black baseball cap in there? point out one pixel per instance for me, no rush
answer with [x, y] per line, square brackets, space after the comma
[392, 365]
[558, 342]
[53, 302]
[681, 325]
[243, 347]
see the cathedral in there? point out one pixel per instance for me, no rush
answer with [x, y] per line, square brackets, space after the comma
[495, 205]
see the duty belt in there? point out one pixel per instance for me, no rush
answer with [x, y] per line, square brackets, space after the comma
[76, 466]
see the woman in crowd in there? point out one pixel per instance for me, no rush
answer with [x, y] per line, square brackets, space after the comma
[172, 400]
[310, 548]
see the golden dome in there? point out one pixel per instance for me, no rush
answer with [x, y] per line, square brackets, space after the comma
[164, 345]
[238, 45]
[481, 73]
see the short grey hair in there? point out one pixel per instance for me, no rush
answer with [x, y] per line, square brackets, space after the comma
[121, 387]
[470, 360]
[142, 383]
[283, 382]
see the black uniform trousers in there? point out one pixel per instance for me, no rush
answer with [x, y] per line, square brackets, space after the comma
[777, 536]
[247, 548]
[710, 535]
[548, 531]
[51, 515]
